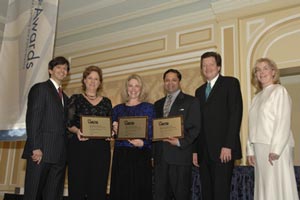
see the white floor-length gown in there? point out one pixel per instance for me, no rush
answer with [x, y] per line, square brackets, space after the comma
[269, 132]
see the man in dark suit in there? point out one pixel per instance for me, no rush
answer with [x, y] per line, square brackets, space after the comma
[173, 156]
[45, 148]
[219, 140]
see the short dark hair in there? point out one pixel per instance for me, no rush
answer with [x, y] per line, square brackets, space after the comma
[172, 71]
[59, 60]
[213, 54]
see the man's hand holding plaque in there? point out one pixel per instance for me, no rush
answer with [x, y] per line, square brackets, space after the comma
[169, 127]
[95, 127]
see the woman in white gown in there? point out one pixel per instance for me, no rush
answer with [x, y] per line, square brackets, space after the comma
[270, 143]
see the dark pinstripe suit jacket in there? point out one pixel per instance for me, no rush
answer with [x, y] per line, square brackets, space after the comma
[189, 108]
[46, 123]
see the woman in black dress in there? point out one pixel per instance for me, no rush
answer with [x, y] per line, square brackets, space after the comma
[88, 159]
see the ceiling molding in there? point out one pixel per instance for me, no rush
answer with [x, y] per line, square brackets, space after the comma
[150, 28]
[118, 19]
[223, 9]
[230, 5]
[89, 8]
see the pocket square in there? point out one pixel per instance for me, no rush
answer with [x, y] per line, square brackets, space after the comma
[181, 109]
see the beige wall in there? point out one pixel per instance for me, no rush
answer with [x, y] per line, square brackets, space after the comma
[292, 83]
[240, 35]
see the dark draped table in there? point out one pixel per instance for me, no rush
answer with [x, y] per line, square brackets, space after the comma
[242, 185]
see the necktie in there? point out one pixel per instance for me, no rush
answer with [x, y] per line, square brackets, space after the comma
[207, 90]
[60, 92]
[167, 105]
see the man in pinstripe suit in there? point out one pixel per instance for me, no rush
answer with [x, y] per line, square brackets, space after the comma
[45, 148]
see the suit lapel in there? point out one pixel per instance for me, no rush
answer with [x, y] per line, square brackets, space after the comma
[55, 95]
[202, 93]
[176, 104]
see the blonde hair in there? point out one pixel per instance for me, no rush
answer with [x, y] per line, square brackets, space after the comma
[124, 93]
[272, 65]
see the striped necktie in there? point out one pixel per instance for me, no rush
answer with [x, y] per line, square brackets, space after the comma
[167, 105]
[60, 92]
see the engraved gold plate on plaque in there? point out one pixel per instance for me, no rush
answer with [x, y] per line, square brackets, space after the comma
[132, 128]
[167, 127]
[95, 126]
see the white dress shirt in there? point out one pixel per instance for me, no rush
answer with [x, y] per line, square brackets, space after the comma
[56, 87]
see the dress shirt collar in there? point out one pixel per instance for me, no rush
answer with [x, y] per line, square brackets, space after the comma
[55, 84]
[174, 95]
[213, 81]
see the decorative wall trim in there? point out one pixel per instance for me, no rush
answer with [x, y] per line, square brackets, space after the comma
[209, 37]
[250, 31]
[236, 70]
[276, 39]
[254, 43]
[288, 62]
[8, 166]
[147, 65]
[12, 162]
[159, 45]
[135, 32]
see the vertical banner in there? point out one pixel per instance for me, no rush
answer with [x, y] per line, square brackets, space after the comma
[27, 47]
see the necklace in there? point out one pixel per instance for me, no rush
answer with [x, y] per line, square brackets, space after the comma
[90, 97]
